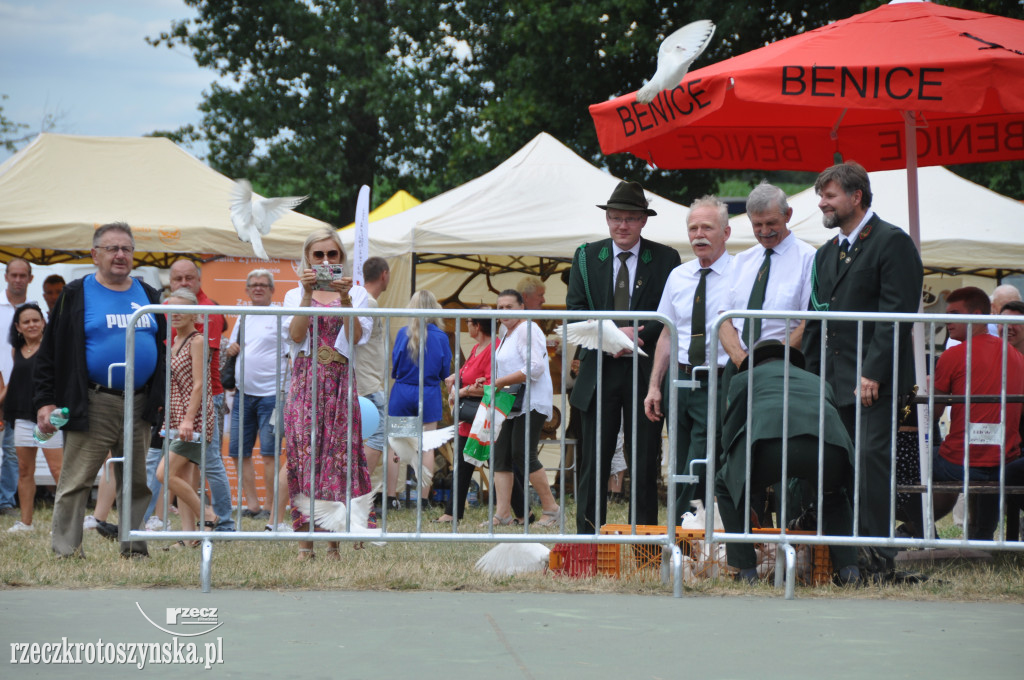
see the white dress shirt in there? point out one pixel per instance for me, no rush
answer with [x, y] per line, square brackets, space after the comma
[789, 284]
[677, 301]
[511, 357]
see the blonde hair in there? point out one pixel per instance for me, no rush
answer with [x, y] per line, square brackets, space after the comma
[421, 299]
[321, 234]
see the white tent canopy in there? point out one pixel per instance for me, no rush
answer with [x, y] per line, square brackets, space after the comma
[540, 203]
[59, 188]
[964, 227]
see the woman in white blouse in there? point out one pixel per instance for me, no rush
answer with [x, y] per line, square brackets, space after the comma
[522, 355]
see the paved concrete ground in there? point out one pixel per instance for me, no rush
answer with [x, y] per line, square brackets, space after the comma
[420, 635]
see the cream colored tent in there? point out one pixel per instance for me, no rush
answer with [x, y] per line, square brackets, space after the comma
[527, 216]
[965, 228]
[59, 188]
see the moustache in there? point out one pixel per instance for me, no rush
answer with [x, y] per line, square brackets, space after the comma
[701, 242]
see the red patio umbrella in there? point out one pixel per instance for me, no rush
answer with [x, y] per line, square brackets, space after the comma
[853, 88]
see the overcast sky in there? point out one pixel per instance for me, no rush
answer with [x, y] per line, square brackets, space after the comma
[87, 60]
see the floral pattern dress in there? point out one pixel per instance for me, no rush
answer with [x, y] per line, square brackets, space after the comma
[334, 441]
[181, 389]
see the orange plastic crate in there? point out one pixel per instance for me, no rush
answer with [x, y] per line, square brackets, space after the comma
[624, 561]
[577, 560]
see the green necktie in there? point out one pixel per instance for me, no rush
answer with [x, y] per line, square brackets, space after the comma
[756, 300]
[844, 247]
[622, 283]
[698, 347]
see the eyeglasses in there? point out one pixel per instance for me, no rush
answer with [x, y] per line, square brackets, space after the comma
[127, 250]
[628, 220]
[259, 285]
[330, 254]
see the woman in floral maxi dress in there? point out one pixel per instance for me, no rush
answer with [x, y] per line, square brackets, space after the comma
[338, 449]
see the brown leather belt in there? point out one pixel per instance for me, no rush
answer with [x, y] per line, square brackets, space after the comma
[327, 355]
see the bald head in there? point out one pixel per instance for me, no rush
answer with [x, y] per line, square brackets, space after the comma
[185, 274]
[1003, 294]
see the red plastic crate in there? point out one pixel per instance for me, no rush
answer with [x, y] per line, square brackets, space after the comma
[577, 560]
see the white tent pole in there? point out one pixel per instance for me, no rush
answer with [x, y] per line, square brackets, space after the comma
[920, 371]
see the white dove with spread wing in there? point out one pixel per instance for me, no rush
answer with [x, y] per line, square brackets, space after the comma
[331, 515]
[406, 448]
[675, 55]
[253, 215]
[613, 340]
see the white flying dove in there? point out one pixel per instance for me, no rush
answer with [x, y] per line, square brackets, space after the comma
[613, 340]
[252, 215]
[406, 448]
[675, 55]
[331, 515]
[506, 559]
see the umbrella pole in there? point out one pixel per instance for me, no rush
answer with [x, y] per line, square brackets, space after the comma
[920, 371]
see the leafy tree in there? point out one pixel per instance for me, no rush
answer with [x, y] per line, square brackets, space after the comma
[9, 130]
[319, 96]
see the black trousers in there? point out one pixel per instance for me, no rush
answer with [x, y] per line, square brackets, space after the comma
[617, 411]
[876, 434]
[802, 463]
[466, 471]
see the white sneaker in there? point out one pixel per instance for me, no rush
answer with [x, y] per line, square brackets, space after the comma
[89, 523]
[154, 523]
[282, 527]
[20, 526]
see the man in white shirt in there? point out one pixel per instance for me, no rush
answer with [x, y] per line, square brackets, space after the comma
[694, 293]
[774, 275]
[371, 364]
[17, 277]
[260, 364]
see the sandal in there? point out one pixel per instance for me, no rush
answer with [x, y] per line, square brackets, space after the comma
[333, 554]
[306, 554]
[499, 521]
[549, 519]
[175, 546]
[442, 520]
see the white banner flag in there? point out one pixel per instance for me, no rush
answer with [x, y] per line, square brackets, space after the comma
[362, 238]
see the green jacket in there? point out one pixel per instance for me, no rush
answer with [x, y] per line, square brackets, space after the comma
[883, 274]
[656, 261]
[766, 421]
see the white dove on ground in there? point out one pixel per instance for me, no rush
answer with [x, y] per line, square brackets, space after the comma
[406, 448]
[584, 334]
[675, 55]
[252, 216]
[506, 559]
[331, 515]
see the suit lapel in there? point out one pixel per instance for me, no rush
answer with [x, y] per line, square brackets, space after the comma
[601, 276]
[857, 248]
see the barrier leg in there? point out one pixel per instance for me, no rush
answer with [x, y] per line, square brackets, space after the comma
[790, 570]
[672, 568]
[205, 565]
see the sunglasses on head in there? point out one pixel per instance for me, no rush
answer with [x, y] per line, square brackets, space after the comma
[320, 255]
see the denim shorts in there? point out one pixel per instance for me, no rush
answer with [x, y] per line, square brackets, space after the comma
[376, 440]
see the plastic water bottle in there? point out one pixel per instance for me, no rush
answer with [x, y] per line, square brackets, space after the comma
[196, 437]
[58, 418]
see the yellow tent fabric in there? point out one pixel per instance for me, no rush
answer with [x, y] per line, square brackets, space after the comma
[59, 188]
[401, 201]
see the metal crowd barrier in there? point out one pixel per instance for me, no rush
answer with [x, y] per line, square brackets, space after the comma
[926, 406]
[672, 556]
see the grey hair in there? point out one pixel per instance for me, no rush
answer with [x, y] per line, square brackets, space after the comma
[710, 201]
[184, 294]
[764, 197]
[421, 299]
[260, 273]
[112, 226]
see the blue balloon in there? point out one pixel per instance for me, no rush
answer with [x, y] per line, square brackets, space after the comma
[370, 416]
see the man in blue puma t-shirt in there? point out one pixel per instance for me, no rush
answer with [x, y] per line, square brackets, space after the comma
[80, 366]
